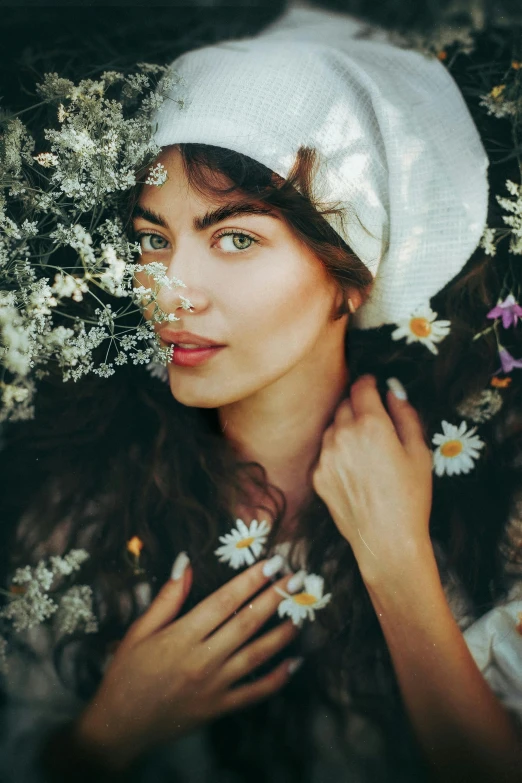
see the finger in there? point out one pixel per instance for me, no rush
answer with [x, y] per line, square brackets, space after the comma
[246, 622]
[243, 695]
[406, 420]
[365, 398]
[214, 610]
[258, 652]
[167, 604]
[344, 412]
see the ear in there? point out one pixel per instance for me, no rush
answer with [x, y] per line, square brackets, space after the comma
[358, 297]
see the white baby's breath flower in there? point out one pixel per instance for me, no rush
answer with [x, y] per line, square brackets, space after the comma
[75, 611]
[30, 228]
[28, 608]
[12, 393]
[46, 159]
[497, 104]
[157, 175]
[457, 449]
[482, 406]
[29, 602]
[68, 285]
[514, 219]
[487, 242]
[422, 327]
[63, 566]
[244, 544]
[159, 371]
[301, 605]
[95, 150]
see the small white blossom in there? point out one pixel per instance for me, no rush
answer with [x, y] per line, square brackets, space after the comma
[70, 562]
[46, 159]
[158, 371]
[487, 242]
[157, 175]
[482, 406]
[75, 611]
[30, 229]
[29, 603]
[67, 285]
[243, 544]
[514, 219]
[300, 606]
[457, 449]
[30, 608]
[422, 327]
[497, 104]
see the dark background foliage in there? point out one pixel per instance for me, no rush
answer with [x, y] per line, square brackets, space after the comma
[80, 39]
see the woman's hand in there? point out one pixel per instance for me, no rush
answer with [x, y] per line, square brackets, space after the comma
[167, 678]
[375, 475]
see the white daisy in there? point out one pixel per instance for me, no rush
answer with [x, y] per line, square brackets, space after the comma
[457, 448]
[243, 544]
[421, 327]
[302, 605]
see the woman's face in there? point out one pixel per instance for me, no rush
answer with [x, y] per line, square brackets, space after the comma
[254, 287]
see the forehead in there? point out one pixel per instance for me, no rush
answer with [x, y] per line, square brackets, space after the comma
[154, 203]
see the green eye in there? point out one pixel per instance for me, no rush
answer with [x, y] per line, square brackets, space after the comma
[150, 242]
[245, 241]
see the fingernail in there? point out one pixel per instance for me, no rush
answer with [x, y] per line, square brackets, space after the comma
[273, 565]
[294, 665]
[180, 563]
[296, 582]
[396, 387]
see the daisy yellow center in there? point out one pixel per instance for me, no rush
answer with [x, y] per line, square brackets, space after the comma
[451, 448]
[420, 327]
[245, 542]
[304, 599]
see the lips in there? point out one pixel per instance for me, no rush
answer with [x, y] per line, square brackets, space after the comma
[192, 357]
[187, 338]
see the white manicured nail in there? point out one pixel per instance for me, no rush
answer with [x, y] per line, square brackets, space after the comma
[180, 563]
[296, 582]
[273, 565]
[294, 665]
[396, 387]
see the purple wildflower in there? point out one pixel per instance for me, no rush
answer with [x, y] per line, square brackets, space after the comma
[509, 310]
[507, 361]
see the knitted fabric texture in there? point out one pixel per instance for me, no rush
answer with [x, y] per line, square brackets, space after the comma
[397, 147]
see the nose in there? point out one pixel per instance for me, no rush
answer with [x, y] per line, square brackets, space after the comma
[192, 296]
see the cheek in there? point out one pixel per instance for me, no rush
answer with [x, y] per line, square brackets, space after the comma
[283, 311]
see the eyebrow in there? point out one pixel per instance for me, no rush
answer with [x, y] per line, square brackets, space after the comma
[210, 218]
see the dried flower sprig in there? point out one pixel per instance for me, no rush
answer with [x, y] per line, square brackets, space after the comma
[67, 266]
[37, 593]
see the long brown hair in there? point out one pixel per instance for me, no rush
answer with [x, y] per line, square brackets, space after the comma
[112, 458]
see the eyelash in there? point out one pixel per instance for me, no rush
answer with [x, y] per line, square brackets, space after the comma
[225, 233]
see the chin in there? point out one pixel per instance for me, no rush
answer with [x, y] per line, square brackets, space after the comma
[194, 398]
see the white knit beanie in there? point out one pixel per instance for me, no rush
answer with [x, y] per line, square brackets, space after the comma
[396, 143]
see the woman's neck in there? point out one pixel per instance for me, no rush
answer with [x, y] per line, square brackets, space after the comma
[282, 426]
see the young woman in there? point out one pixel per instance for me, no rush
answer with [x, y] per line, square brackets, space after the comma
[280, 420]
